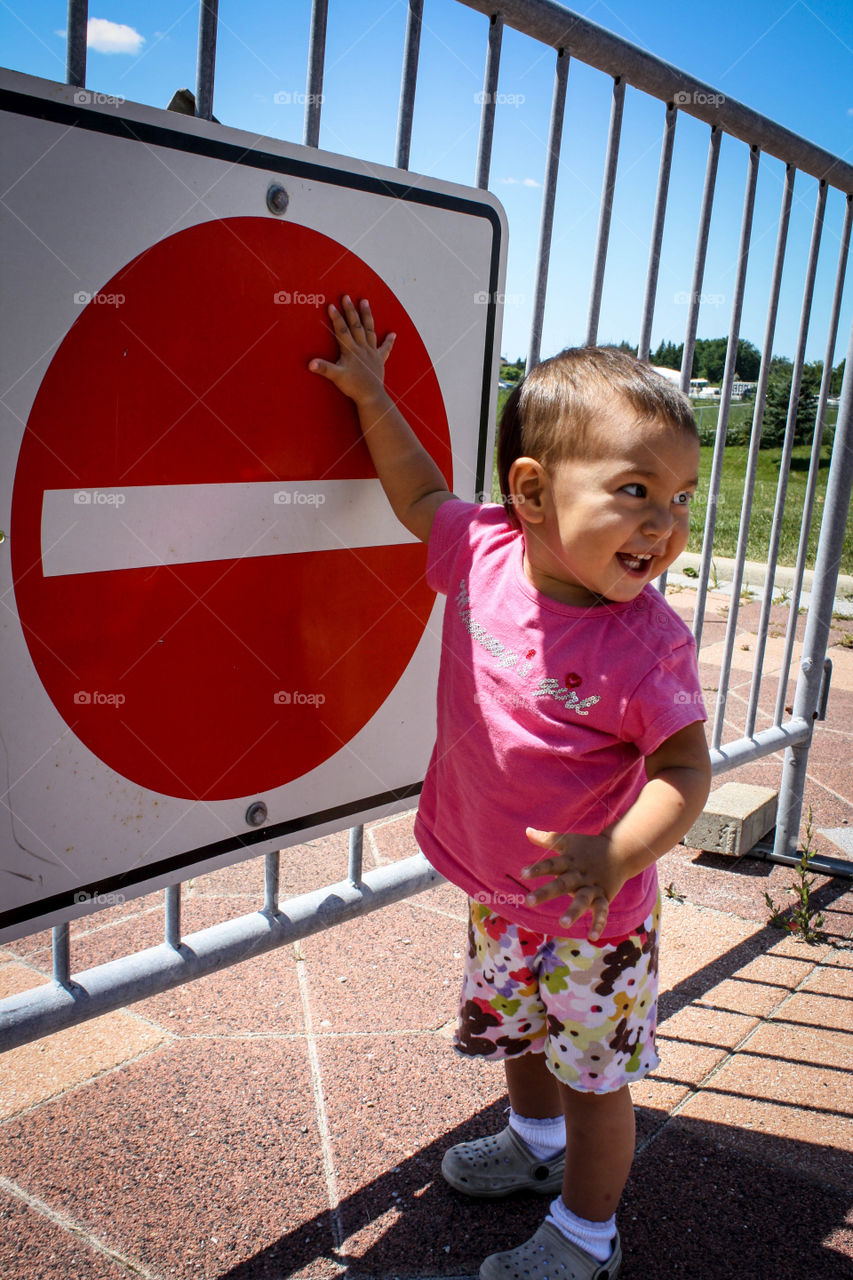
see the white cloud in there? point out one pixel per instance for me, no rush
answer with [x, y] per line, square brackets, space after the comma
[521, 182]
[531, 182]
[113, 37]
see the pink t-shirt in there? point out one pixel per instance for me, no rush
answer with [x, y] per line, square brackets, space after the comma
[545, 714]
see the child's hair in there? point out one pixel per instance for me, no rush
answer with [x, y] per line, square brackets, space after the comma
[550, 415]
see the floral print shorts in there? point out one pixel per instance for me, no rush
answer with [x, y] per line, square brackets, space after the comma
[590, 1007]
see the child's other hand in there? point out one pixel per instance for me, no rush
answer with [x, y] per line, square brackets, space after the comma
[584, 868]
[359, 371]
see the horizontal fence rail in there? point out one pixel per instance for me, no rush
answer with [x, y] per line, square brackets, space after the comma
[70, 998]
[557, 26]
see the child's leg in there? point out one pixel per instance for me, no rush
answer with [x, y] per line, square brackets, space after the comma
[533, 1090]
[600, 1138]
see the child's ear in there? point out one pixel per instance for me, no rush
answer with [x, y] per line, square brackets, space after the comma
[528, 485]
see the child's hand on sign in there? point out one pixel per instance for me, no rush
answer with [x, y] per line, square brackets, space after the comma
[359, 371]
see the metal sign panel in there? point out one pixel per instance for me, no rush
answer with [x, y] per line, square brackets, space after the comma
[217, 640]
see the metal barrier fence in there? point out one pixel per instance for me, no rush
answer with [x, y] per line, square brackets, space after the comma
[180, 958]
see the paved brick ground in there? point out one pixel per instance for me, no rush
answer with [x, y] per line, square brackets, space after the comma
[287, 1117]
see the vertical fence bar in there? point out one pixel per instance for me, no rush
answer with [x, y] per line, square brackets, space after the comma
[173, 916]
[272, 864]
[61, 954]
[487, 112]
[314, 82]
[206, 64]
[606, 210]
[356, 848]
[830, 546]
[699, 264]
[814, 466]
[546, 221]
[754, 446]
[657, 231]
[726, 393]
[75, 42]
[409, 84]
[785, 463]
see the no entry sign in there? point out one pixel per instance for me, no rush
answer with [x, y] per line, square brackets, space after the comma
[208, 603]
[245, 662]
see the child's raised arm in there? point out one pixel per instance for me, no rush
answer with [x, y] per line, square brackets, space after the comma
[592, 869]
[412, 482]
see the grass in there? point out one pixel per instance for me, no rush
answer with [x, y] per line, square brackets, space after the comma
[763, 502]
[764, 498]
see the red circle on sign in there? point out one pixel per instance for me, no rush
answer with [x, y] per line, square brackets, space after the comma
[189, 367]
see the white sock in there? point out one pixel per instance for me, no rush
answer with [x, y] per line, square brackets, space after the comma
[544, 1137]
[595, 1237]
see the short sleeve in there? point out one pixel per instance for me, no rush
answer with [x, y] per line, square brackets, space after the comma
[449, 543]
[668, 698]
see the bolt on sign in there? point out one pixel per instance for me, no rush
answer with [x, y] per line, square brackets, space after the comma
[217, 639]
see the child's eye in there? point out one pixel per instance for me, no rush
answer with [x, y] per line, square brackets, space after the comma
[635, 490]
[683, 499]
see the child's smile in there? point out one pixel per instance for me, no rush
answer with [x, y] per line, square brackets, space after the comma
[613, 521]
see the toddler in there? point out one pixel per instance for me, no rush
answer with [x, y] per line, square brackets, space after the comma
[569, 699]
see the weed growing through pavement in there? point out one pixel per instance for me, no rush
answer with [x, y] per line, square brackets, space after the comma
[672, 892]
[805, 920]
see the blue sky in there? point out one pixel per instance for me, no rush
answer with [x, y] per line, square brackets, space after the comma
[792, 62]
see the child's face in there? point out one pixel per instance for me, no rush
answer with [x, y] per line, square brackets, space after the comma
[617, 519]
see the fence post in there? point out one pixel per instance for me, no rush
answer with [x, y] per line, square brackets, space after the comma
[836, 506]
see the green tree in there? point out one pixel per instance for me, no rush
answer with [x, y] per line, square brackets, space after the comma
[709, 359]
[776, 407]
[512, 372]
[837, 379]
[667, 355]
[748, 360]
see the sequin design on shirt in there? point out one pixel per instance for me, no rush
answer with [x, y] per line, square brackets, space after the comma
[548, 687]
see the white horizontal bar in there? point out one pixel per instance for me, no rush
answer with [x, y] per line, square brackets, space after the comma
[138, 526]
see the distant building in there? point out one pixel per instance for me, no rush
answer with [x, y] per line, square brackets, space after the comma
[698, 386]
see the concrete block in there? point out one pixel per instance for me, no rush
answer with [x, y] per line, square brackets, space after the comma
[734, 819]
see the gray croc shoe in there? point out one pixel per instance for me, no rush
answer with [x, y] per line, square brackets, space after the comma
[550, 1256]
[499, 1165]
